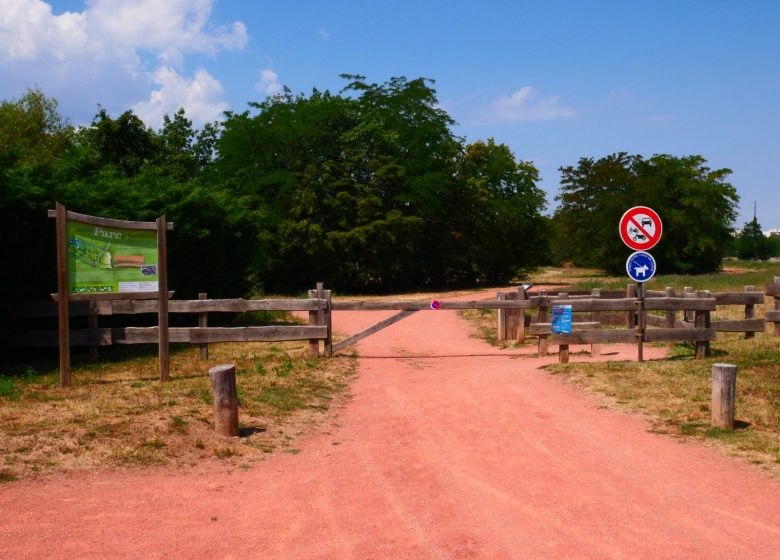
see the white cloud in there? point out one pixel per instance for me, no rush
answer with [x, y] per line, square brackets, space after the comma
[268, 83]
[200, 96]
[526, 104]
[113, 52]
[324, 33]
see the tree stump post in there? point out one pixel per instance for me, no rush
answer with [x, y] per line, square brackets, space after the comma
[724, 388]
[225, 397]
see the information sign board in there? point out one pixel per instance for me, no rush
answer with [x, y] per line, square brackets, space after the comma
[103, 259]
[561, 319]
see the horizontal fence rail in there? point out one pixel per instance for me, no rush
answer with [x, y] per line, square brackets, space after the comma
[600, 317]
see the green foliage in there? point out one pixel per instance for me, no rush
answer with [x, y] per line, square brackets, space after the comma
[751, 243]
[377, 185]
[697, 206]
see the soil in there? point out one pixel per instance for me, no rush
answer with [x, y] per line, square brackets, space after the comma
[448, 448]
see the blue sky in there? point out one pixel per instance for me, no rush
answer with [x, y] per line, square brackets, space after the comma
[555, 81]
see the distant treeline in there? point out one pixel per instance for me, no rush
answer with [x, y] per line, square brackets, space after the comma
[366, 190]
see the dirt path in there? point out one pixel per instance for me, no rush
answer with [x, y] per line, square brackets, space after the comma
[455, 450]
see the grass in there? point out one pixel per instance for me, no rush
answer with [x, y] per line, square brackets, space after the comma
[118, 415]
[674, 394]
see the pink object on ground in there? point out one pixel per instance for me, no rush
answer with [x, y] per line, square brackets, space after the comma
[449, 449]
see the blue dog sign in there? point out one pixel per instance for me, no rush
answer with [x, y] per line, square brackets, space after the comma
[640, 266]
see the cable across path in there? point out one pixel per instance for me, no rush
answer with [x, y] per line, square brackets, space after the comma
[448, 448]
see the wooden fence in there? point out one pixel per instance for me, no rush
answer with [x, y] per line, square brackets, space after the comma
[661, 316]
[94, 336]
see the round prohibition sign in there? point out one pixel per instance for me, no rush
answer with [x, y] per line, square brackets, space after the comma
[641, 228]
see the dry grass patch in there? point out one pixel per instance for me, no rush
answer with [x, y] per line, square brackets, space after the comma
[675, 394]
[117, 414]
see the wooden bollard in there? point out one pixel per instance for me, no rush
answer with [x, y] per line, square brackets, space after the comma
[223, 391]
[724, 389]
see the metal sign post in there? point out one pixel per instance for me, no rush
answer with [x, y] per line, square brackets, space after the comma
[640, 229]
[640, 267]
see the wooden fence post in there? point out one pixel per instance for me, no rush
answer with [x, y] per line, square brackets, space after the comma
[777, 307]
[163, 338]
[521, 295]
[688, 315]
[595, 349]
[501, 319]
[92, 325]
[671, 316]
[225, 397]
[750, 312]
[314, 344]
[511, 317]
[724, 389]
[63, 313]
[702, 321]
[329, 323]
[631, 315]
[641, 320]
[541, 317]
[203, 322]
[563, 349]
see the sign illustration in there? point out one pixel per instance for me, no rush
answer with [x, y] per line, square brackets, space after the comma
[104, 259]
[641, 228]
[640, 266]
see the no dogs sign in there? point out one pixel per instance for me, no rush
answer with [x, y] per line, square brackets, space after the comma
[641, 228]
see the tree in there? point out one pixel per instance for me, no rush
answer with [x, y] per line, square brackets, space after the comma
[503, 233]
[751, 243]
[374, 180]
[697, 206]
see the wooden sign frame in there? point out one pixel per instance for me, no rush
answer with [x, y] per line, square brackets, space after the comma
[64, 297]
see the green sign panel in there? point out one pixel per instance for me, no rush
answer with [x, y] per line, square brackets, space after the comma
[105, 259]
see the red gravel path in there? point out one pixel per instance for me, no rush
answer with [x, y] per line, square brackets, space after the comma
[449, 449]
